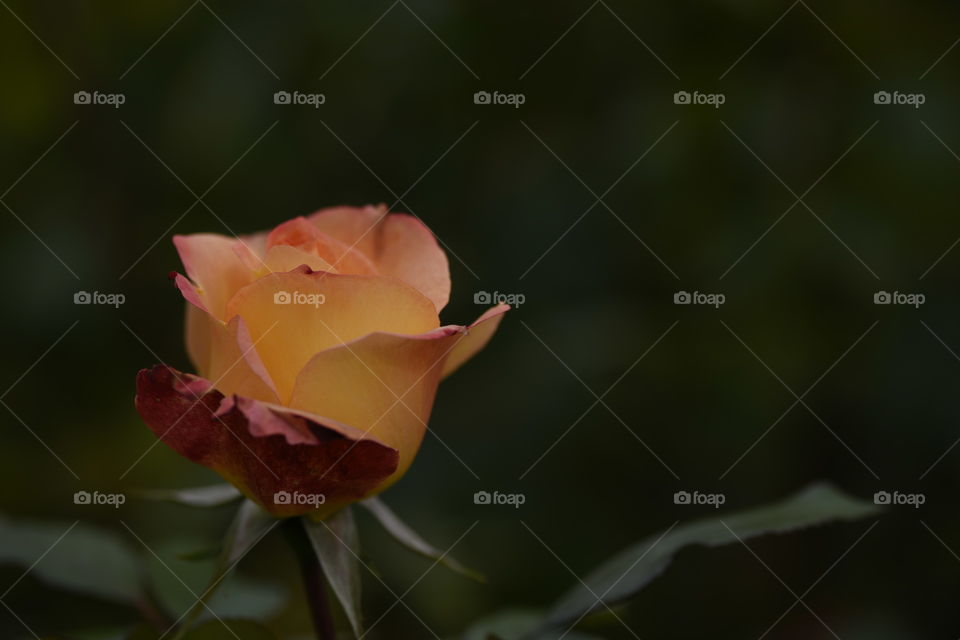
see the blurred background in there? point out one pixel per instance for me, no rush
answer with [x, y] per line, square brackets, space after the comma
[597, 200]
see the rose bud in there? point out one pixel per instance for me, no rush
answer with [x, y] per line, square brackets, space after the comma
[318, 349]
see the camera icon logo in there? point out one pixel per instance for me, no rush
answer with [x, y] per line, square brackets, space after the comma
[282, 297]
[281, 497]
[81, 97]
[482, 97]
[482, 297]
[881, 497]
[681, 97]
[481, 497]
[81, 497]
[882, 97]
[882, 297]
[82, 297]
[682, 297]
[282, 97]
[682, 497]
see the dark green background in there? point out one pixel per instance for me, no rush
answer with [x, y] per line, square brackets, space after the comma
[396, 102]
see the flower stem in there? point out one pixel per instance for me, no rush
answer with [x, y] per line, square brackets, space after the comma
[314, 581]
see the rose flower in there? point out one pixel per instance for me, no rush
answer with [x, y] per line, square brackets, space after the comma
[318, 349]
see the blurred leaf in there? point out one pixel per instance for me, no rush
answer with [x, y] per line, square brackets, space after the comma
[177, 583]
[77, 557]
[210, 630]
[142, 632]
[515, 624]
[511, 624]
[109, 633]
[337, 546]
[210, 496]
[238, 629]
[633, 568]
[249, 526]
[247, 598]
[412, 540]
[201, 554]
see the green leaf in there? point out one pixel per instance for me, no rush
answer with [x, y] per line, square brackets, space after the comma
[77, 557]
[107, 632]
[412, 540]
[142, 632]
[242, 629]
[177, 583]
[210, 496]
[633, 568]
[337, 547]
[515, 624]
[511, 624]
[201, 554]
[250, 525]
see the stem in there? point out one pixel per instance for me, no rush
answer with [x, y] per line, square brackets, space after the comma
[314, 581]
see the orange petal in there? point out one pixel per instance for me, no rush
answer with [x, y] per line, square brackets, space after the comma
[300, 233]
[199, 337]
[476, 338]
[399, 245]
[214, 265]
[284, 257]
[292, 316]
[236, 366]
[384, 384]
[252, 250]
[297, 232]
[226, 355]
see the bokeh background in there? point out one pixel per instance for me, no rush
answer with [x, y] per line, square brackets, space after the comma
[697, 203]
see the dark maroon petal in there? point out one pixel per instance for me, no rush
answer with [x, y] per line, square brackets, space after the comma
[263, 449]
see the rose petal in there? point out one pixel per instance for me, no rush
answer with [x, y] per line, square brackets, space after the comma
[236, 366]
[225, 353]
[213, 263]
[287, 258]
[252, 250]
[262, 449]
[191, 293]
[331, 309]
[199, 338]
[476, 338]
[399, 245]
[384, 384]
[302, 234]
